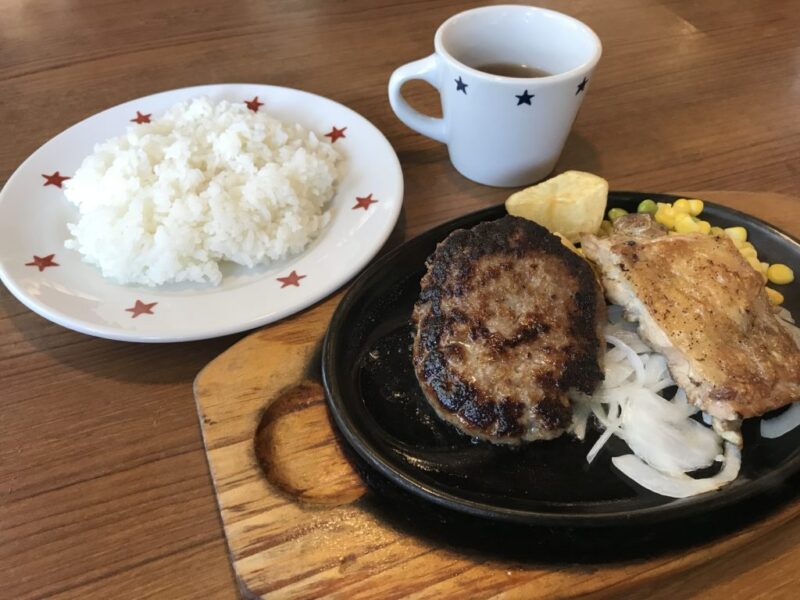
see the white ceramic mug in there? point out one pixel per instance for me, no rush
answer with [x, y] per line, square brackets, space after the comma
[503, 131]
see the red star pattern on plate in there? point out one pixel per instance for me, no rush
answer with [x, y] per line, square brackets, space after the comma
[254, 104]
[335, 133]
[292, 279]
[140, 118]
[55, 179]
[364, 202]
[141, 308]
[42, 262]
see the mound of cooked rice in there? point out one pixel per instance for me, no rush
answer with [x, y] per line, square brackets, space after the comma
[205, 183]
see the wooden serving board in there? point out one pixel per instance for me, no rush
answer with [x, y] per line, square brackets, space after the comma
[301, 524]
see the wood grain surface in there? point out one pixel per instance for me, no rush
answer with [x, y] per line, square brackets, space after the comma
[300, 524]
[104, 488]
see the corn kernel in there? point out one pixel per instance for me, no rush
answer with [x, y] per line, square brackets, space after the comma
[681, 206]
[737, 242]
[780, 274]
[737, 233]
[685, 224]
[748, 252]
[717, 231]
[666, 216]
[764, 267]
[705, 227]
[755, 263]
[747, 249]
[695, 207]
[774, 296]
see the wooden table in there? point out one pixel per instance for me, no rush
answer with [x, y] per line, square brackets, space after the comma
[104, 488]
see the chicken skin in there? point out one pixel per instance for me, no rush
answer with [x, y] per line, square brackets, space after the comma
[702, 305]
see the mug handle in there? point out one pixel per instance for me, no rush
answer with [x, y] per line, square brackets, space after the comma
[426, 69]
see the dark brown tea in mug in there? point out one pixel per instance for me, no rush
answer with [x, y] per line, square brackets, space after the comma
[513, 70]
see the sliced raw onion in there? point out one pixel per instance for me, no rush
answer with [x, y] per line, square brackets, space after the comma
[636, 362]
[681, 400]
[667, 443]
[661, 385]
[660, 433]
[655, 368]
[601, 441]
[629, 336]
[782, 424]
[679, 486]
[617, 373]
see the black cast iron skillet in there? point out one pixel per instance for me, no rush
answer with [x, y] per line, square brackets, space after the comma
[380, 411]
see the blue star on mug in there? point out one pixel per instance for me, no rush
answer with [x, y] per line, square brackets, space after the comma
[524, 98]
[461, 86]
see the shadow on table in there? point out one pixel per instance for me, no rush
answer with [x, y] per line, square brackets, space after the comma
[580, 154]
[126, 361]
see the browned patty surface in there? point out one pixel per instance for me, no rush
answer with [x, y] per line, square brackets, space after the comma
[508, 319]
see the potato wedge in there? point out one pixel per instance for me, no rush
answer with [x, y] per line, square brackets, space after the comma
[570, 204]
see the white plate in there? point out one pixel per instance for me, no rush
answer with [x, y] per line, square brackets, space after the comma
[34, 217]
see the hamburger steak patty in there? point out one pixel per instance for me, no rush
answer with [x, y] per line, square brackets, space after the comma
[507, 320]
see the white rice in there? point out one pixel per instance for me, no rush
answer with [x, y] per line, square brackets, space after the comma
[205, 183]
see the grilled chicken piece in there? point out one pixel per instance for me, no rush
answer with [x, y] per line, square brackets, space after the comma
[700, 303]
[508, 319]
